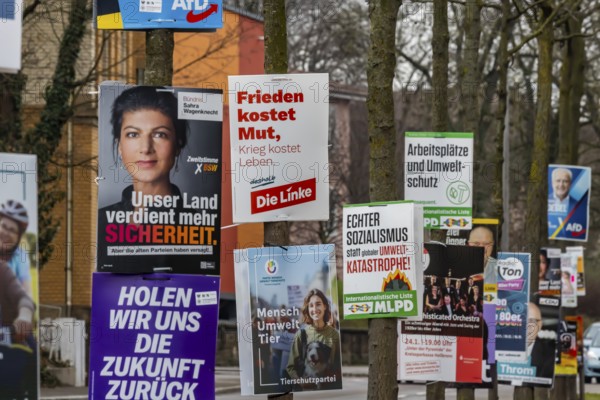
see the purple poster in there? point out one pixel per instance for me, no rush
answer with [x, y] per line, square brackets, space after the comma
[145, 334]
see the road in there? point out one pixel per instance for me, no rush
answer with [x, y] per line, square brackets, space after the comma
[355, 388]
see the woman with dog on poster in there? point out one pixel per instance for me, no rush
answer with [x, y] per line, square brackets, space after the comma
[315, 349]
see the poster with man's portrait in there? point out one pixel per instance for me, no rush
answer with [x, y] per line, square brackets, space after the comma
[568, 202]
[159, 184]
[19, 353]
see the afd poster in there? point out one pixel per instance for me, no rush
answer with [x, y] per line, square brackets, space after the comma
[199, 15]
[537, 366]
[549, 271]
[145, 333]
[569, 189]
[159, 185]
[382, 246]
[19, 358]
[11, 27]
[438, 173]
[289, 319]
[511, 306]
[577, 252]
[279, 136]
[484, 233]
[448, 344]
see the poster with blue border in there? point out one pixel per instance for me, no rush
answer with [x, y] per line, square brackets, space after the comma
[511, 307]
[159, 14]
[145, 336]
[569, 189]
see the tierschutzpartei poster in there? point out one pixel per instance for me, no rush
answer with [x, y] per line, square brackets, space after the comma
[153, 336]
[382, 246]
[159, 194]
[19, 357]
[438, 173]
[288, 319]
[448, 344]
[279, 154]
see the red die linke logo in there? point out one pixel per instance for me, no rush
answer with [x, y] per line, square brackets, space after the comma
[283, 196]
[195, 5]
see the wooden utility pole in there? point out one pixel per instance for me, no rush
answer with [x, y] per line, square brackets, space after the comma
[159, 57]
[276, 62]
[381, 64]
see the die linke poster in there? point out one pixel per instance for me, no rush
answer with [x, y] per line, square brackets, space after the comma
[382, 246]
[279, 130]
[145, 336]
[288, 319]
[448, 344]
[11, 26]
[156, 14]
[438, 172]
[159, 185]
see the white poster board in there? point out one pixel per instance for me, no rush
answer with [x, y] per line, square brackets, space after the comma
[10, 31]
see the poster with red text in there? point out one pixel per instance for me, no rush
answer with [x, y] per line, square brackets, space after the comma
[279, 130]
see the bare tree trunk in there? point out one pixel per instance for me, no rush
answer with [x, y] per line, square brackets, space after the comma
[276, 62]
[381, 64]
[159, 57]
[439, 114]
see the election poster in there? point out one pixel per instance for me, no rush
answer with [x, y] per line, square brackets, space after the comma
[438, 172]
[19, 357]
[568, 338]
[382, 246]
[568, 280]
[11, 26]
[159, 184]
[569, 189]
[279, 134]
[199, 15]
[577, 251]
[549, 271]
[448, 343]
[511, 306]
[288, 318]
[144, 336]
[536, 368]
[484, 233]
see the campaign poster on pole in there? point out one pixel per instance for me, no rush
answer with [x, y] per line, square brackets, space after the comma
[549, 271]
[11, 26]
[382, 246]
[568, 338]
[438, 173]
[279, 133]
[145, 334]
[19, 354]
[289, 319]
[448, 344]
[182, 15]
[537, 367]
[577, 252]
[484, 233]
[159, 184]
[568, 280]
[569, 189]
[511, 307]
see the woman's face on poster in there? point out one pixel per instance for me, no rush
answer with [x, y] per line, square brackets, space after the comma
[148, 145]
[316, 308]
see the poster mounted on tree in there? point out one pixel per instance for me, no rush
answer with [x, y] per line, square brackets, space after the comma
[549, 271]
[200, 15]
[289, 319]
[568, 280]
[382, 245]
[448, 344]
[569, 189]
[11, 26]
[438, 173]
[145, 336]
[569, 339]
[159, 185]
[577, 251]
[19, 358]
[279, 133]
